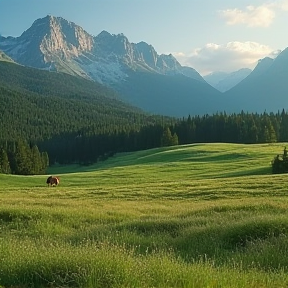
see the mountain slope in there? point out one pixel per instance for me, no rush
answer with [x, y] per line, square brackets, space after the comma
[266, 88]
[21, 78]
[175, 95]
[37, 104]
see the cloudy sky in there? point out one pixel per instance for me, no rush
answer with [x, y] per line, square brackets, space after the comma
[208, 35]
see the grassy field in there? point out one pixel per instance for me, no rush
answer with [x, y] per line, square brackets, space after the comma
[205, 215]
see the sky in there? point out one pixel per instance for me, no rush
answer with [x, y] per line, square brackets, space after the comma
[207, 35]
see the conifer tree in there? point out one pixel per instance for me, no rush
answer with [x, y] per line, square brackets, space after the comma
[36, 161]
[4, 162]
[174, 140]
[283, 130]
[167, 139]
[45, 161]
[23, 158]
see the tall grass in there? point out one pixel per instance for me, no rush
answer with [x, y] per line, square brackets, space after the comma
[206, 215]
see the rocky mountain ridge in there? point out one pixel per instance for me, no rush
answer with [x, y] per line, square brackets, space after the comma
[56, 44]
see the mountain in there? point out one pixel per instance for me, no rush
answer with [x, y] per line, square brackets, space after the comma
[55, 44]
[175, 95]
[266, 88]
[223, 81]
[262, 66]
[215, 77]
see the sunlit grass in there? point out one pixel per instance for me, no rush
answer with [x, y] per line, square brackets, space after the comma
[205, 215]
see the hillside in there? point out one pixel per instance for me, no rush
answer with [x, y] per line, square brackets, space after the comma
[38, 104]
[191, 162]
[25, 79]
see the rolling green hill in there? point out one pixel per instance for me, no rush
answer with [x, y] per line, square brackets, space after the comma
[206, 215]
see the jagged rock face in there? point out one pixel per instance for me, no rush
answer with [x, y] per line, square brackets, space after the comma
[65, 37]
[56, 44]
[48, 40]
[147, 54]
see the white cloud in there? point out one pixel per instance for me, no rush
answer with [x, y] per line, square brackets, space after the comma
[252, 16]
[229, 57]
[282, 5]
[255, 16]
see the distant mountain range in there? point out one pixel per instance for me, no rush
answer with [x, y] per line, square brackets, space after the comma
[266, 88]
[143, 78]
[224, 81]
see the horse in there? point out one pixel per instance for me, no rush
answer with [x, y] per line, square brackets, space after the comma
[52, 181]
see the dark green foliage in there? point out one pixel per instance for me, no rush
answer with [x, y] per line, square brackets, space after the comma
[4, 162]
[235, 128]
[19, 158]
[280, 163]
[168, 139]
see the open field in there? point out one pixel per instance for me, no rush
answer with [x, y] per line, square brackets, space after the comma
[205, 215]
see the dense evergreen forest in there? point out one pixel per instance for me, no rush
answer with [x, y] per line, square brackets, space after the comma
[91, 145]
[49, 118]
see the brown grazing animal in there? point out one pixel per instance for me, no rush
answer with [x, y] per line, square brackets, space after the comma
[52, 181]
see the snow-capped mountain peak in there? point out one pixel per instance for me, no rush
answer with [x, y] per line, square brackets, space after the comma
[56, 44]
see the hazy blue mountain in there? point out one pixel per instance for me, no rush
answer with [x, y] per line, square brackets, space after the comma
[262, 66]
[175, 95]
[266, 88]
[224, 81]
[214, 78]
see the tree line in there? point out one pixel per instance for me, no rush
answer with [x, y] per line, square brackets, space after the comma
[98, 141]
[22, 159]
[87, 146]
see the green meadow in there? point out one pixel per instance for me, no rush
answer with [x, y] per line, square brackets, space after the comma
[203, 215]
